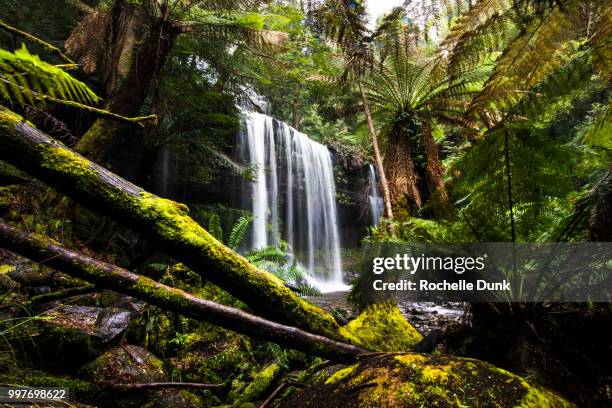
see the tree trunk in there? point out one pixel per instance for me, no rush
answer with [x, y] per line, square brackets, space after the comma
[384, 185]
[132, 91]
[435, 179]
[165, 223]
[399, 165]
[108, 276]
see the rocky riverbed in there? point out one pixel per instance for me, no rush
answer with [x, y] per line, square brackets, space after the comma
[424, 316]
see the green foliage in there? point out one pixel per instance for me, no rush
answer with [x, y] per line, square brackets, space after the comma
[214, 227]
[26, 79]
[239, 231]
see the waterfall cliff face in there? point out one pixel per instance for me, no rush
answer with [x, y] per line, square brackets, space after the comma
[293, 196]
[374, 198]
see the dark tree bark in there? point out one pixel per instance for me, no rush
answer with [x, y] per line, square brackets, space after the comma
[435, 179]
[165, 223]
[600, 223]
[145, 63]
[401, 174]
[108, 276]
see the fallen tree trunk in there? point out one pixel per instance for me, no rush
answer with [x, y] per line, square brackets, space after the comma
[108, 276]
[164, 222]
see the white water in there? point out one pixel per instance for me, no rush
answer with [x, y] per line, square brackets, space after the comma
[293, 197]
[374, 198]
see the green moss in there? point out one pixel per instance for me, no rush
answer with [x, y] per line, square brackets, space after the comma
[416, 380]
[341, 374]
[4, 269]
[381, 327]
[262, 381]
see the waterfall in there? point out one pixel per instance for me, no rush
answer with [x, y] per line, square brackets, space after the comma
[374, 198]
[293, 196]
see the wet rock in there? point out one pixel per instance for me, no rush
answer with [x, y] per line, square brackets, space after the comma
[69, 335]
[125, 364]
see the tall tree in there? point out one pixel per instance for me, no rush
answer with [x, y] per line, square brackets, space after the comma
[345, 23]
[412, 93]
[130, 43]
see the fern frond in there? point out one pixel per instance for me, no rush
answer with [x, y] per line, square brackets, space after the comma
[214, 227]
[239, 231]
[271, 255]
[27, 77]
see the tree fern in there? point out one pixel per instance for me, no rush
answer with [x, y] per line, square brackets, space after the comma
[26, 79]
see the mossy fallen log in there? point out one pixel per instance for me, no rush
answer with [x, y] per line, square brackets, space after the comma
[109, 276]
[164, 222]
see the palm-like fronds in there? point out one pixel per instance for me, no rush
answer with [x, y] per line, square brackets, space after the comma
[528, 40]
[26, 79]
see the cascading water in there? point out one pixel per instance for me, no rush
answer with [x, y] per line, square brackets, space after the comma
[293, 196]
[374, 198]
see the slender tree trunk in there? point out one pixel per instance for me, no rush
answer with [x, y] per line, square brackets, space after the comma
[108, 276]
[163, 222]
[131, 92]
[600, 223]
[399, 165]
[384, 185]
[297, 107]
[435, 178]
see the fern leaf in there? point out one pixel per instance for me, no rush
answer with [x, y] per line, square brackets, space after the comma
[214, 227]
[239, 232]
[27, 78]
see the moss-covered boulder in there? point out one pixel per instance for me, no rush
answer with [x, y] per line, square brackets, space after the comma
[177, 398]
[420, 380]
[125, 364]
[381, 327]
[73, 335]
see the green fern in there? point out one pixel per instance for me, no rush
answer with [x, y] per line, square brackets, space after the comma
[269, 254]
[26, 79]
[214, 227]
[239, 232]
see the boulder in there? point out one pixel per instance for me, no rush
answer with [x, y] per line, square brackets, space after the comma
[381, 327]
[416, 380]
[72, 335]
[125, 364]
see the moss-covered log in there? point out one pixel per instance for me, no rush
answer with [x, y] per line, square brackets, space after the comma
[164, 222]
[104, 275]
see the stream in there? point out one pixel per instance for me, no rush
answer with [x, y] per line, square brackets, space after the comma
[424, 316]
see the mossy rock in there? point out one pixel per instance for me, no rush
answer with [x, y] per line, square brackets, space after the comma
[257, 388]
[125, 364]
[178, 398]
[381, 327]
[79, 391]
[420, 380]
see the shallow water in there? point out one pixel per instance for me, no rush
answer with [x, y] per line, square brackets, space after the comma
[424, 316]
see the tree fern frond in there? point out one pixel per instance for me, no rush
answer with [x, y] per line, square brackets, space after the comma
[26, 77]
